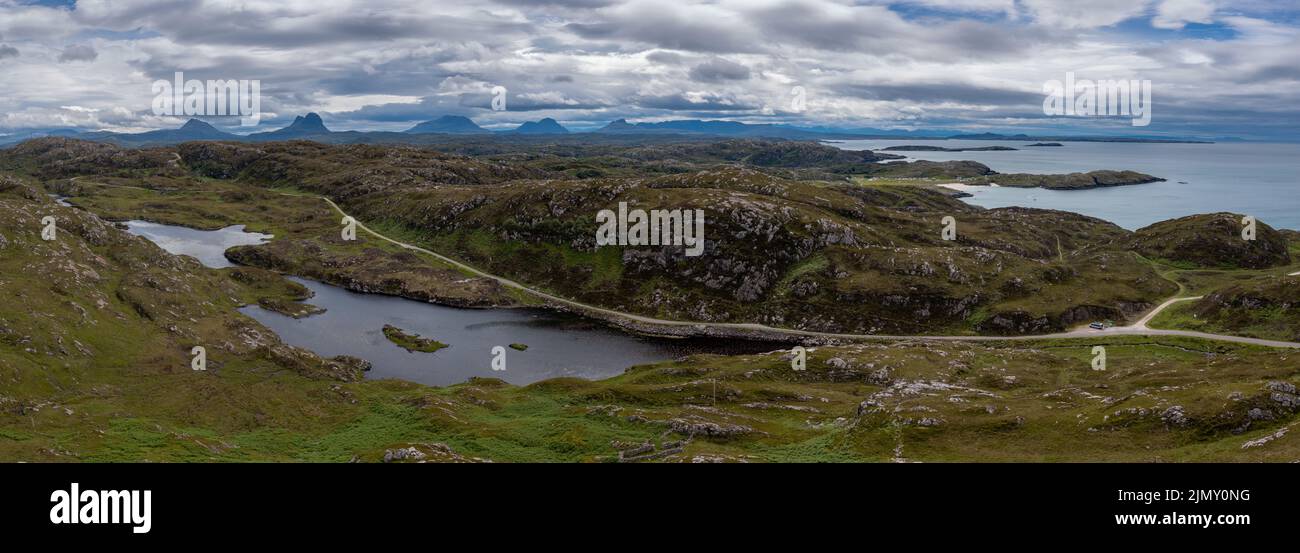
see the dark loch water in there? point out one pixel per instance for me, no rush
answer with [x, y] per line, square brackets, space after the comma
[558, 344]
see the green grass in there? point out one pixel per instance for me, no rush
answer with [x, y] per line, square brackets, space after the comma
[133, 398]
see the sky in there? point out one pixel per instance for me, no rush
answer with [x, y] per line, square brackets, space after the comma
[1218, 68]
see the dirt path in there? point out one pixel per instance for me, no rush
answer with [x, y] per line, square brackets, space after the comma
[1142, 323]
[1138, 329]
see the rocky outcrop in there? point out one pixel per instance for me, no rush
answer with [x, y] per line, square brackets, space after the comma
[1212, 240]
[1267, 307]
[374, 271]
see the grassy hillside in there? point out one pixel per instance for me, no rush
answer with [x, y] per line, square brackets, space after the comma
[96, 335]
[796, 253]
[1212, 241]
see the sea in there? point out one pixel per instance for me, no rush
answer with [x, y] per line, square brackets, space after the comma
[1257, 179]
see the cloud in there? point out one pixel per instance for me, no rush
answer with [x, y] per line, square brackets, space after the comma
[674, 26]
[78, 52]
[693, 102]
[718, 70]
[666, 58]
[954, 92]
[1071, 14]
[1175, 14]
[385, 64]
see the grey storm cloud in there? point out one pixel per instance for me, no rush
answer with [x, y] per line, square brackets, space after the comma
[515, 102]
[191, 21]
[666, 58]
[883, 32]
[680, 102]
[665, 29]
[78, 52]
[718, 70]
[428, 108]
[943, 92]
[871, 63]
[560, 3]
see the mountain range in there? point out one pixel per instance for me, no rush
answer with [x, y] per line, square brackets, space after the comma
[312, 127]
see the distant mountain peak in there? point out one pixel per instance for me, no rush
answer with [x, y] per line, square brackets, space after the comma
[197, 125]
[449, 124]
[618, 125]
[545, 126]
[309, 123]
[303, 125]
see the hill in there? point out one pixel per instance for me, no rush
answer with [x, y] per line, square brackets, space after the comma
[448, 124]
[544, 126]
[792, 253]
[1212, 240]
[302, 127]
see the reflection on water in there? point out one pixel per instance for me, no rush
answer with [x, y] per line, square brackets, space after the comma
[208, 246]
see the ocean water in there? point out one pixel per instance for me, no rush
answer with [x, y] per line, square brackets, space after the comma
[1256, 179]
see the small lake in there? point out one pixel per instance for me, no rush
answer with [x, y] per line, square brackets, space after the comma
[1259, 179]
[558, 344]
[208, 246]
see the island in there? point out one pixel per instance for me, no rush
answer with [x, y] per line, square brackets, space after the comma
[916, 148]
[1069, 181]
[411, 342]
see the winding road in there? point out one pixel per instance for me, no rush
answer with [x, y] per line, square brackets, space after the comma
[1139, 328]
